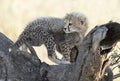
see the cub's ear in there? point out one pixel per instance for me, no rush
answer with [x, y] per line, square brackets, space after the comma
[67, 14]
[96, 26]
[110, 21]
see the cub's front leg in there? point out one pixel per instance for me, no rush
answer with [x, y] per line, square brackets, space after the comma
[65, 50]
[51, 47]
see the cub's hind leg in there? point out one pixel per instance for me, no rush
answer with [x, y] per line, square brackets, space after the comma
[29, 46]
[31, 49]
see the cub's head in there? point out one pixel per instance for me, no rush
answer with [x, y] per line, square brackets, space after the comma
[75, 22]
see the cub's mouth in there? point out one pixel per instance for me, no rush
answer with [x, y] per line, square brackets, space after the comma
[67, 30]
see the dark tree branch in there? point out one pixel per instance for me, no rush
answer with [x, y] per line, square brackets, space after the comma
[89, 66]
[116, 76]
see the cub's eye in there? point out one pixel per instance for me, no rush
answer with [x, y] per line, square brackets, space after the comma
[70, 24]
[82, 22]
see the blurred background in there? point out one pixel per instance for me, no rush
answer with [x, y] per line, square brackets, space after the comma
[16, 14]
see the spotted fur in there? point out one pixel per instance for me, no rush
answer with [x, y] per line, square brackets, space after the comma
[50, 32]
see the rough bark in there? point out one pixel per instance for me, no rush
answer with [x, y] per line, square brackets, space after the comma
[22, 66]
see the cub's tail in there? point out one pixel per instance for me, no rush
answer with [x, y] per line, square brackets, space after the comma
[17, 44]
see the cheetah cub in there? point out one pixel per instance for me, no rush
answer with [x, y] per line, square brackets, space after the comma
[61, 34]
[76, 25]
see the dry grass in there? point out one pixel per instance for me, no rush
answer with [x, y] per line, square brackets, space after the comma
[15, 14]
